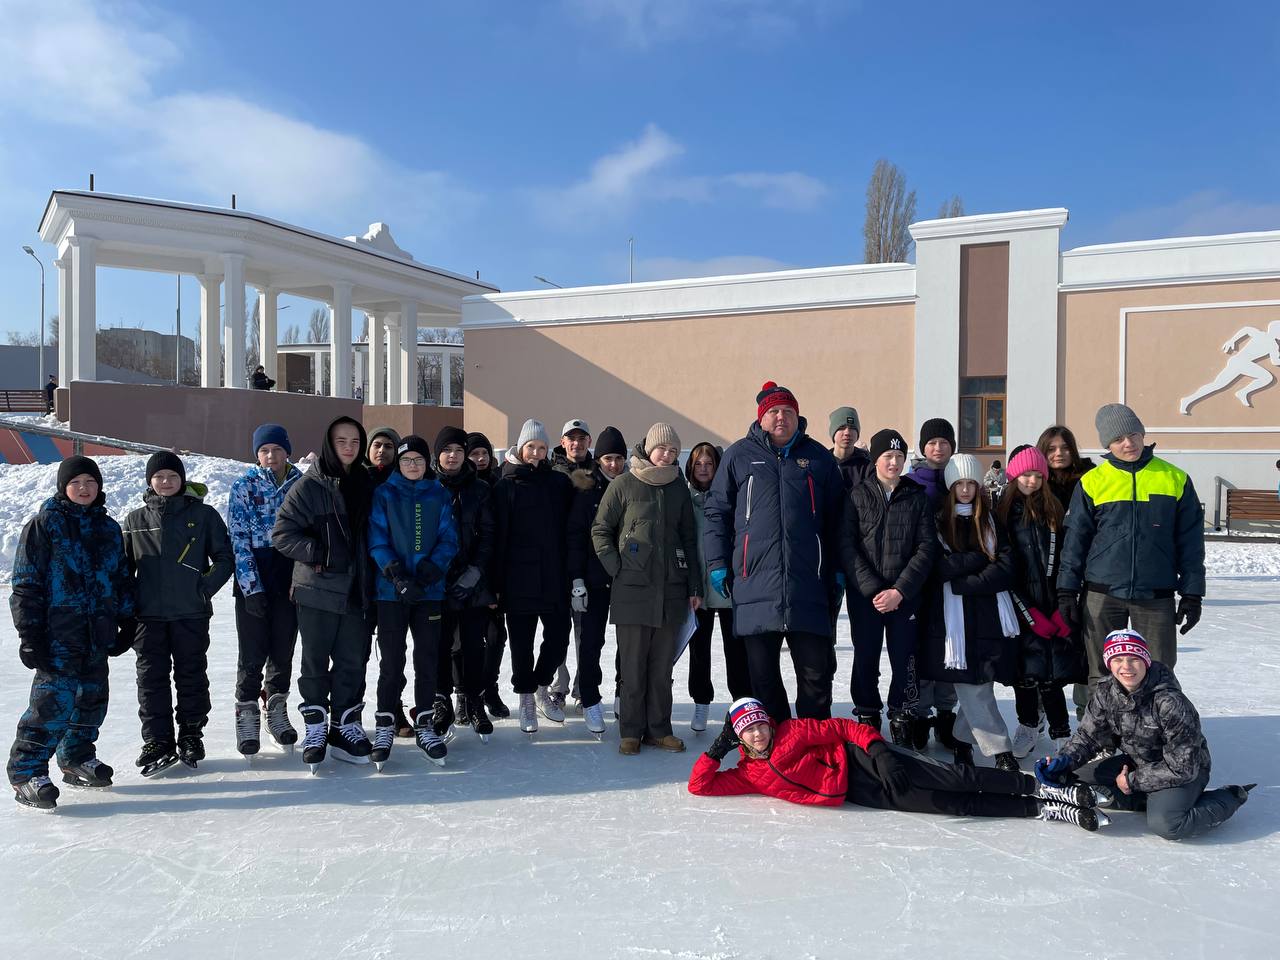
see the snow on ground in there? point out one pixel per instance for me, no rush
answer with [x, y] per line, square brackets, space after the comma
[559, 845]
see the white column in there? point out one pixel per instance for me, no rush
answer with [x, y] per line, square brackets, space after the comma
[1032, 386]
[377, 357]
[233, 319]
[406, 357]
[340, 340]
[210, 343]
[66, 325]
[393, 359]
[84, 308]
[446, 388]
[267, 338]
[357, 370]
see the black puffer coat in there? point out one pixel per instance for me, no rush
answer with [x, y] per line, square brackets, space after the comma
[531, 513]
[473, 513]
[976, 579]
[588, 491]
[856, 467]
[888, 543]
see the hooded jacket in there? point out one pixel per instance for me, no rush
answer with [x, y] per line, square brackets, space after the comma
[472, 501]
[773, 518]
[560, 461]
[856, 467]
[412, 519]
[588, 491]
[323, 527]
[381, 475]
[1156, 726]
[808, 763]
[531, 512]
[251, 513]
[931, 479]
[711, 599]
[1135, 531]
[888, 543]
[179, 550]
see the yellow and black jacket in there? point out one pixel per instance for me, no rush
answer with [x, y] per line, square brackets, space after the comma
[1135, 531]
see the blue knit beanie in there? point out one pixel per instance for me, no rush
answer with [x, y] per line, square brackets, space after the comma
[271, 433]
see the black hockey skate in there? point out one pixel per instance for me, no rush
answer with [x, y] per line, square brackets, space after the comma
[278, 724]
[429, 742]
[315, 740]
[1007, 761]
[248, 727]
[384, 737]
[480, 721]
[38, 793]
[442, 718]
[493, 703]
[347, 738]
[191, 749]
[1083, 817]
[91, 773]
[156, 758]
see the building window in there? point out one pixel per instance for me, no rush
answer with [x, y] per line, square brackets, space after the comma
[982, 413]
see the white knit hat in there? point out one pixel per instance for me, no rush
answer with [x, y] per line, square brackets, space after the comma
[963, 466]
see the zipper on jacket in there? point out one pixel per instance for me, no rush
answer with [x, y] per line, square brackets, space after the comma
[808, 789]
[818, 537]
[1133, 536]
[750, 480]
[813, 501]
[746, 539]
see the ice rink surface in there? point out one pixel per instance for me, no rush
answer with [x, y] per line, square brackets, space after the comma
[558, 846]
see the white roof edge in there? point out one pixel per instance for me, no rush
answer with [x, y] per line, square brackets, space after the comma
[1170, 243]
[647, 286]
[263, 219]
[1044, 218]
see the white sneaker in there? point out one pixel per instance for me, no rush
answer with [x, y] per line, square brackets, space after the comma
[594, 716]
[528, 714]
[549, 707]
[700, 713]
[617, 707]
[1025, 739]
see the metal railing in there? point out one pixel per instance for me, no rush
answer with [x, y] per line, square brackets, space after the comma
[23, 425]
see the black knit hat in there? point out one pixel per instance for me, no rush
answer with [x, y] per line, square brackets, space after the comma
[937, 429]
[610, 442]
[448, 435]
[72, 467]
[166, 460]
[414, 444]
[885, 441]
[476, 441]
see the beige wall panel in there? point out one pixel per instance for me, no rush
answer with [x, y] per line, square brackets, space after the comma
[701, 374]
[1169, 354]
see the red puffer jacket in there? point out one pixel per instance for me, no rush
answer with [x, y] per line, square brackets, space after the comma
[806, 765]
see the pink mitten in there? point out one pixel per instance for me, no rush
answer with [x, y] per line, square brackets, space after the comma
[1041, 625]
[1060, 625]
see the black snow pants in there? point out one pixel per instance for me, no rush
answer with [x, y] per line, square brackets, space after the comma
[180, 646]
[953, 789]
[266, 644]
[335, 653]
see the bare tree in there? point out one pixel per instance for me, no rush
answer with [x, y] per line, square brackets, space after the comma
[951, 208]
[18, 339]
[318, 326]
[439, 335]
[890, 210]
[293, 334]
[364, 332]
[53, 330]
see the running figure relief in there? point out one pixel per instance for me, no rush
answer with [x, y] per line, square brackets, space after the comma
[1245, 362]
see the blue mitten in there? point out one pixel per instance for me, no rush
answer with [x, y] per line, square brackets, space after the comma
[719, 582]
[1050, 770]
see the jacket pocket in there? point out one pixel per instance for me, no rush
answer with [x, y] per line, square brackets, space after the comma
[750, 483]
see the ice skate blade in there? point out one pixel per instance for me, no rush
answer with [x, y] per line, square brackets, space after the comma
[248, 753]
[599, 737]
[314, 768]
[339, 754]
[160, 766]
[438, 761]
[379, 764]
[84, 785]
[51, 808]
[190, 764]
[484, 737]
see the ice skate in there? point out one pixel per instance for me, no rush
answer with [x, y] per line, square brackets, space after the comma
[528, 713]
[429, 742]
[700, 713]
[900, 730]
[461, 712]
[944, 725]
[38, 793]
[156, 758]
[493, 703]
[347, 738]
[278, 724]
[442, 717]
[384, 736]
[963, 755]
[480, 721]
[871, 719]
[548, 706]
[315, 738]
[1076, 794]
[594, 717]
[1083, 817]
[190, 750]
[92, 773]
[1006, 761]
[1025, 739]
[248, 727]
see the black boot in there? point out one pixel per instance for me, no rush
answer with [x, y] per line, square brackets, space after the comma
[920, 727]
[944, 725]
[442, 715]
[870, 719]
[1007, 761]
[462, 712]
[963, 755]
[900, 730]
[495, 705]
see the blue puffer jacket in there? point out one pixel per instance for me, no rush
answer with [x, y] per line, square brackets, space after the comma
[412, 519]
[251, 513]
[773, 518]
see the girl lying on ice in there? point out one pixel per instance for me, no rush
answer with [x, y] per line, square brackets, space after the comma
[836, 761]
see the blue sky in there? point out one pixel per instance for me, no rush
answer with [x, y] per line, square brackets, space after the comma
[522, 138]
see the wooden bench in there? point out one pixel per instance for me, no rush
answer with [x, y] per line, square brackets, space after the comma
[22, 401]
[1252, 506]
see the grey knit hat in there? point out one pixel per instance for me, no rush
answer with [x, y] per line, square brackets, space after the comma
[661, 433]
[1115, 420]
[532, 430]
[843, 417]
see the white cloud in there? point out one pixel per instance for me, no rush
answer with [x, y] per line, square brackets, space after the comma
[787, 191]
[644, 23]
[673, 268]
[1204, 213]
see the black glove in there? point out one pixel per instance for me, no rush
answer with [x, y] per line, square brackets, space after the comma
[126, 633]
[466, 584]
[725, 743]
[256, 605]
[427, 573]
[406, 588]
[34, 653]
[890, 770]
[1069, 607]
[1188, 611]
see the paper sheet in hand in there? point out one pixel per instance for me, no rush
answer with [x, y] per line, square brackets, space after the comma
[683, 636]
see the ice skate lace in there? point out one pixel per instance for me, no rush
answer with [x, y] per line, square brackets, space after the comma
[39, 782]
[1069, 794]
[278, 717]
[91, 765]
[528, 712]
[427, 737]
[247, 725]
[384, 737]
[353, 732]
[315, 736]
[1062, 811]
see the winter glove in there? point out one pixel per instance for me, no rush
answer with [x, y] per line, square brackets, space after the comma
[1069, 607]
[427, 573]
[406, 588]
[126, 633]
[466, 583]
[889, 768]
[578, 597]
[725, 743]
[255, 605]
[34, 653]
[719, 581]
[1051, 770]
[1041, 625]
[1188, 611]
[1060, 625]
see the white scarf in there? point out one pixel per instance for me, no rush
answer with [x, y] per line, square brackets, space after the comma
[953, 616]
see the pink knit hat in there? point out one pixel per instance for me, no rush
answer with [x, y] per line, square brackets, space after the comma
[1027, 460]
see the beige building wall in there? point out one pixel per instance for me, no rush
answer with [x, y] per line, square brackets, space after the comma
[1153, 347]
[701, 374]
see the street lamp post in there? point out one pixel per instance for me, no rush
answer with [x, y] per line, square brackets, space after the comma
[41, 351]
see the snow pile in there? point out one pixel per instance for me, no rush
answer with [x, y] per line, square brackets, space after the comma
[1242, 559]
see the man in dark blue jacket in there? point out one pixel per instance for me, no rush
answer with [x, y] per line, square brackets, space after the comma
[771, 542]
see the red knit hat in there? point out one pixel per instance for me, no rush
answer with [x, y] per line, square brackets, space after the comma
[1027, 460]
[1125, 643]
[745, 712]
[771, 395]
